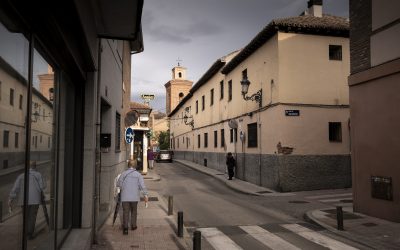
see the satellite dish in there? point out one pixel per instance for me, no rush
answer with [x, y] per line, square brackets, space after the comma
[232, 123]
[131, 118]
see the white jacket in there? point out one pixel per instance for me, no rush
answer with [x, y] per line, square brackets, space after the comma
[36, 186]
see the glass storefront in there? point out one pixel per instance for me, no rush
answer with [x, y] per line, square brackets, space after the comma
[38, 129]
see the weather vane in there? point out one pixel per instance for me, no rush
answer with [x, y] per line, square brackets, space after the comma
[179, 60]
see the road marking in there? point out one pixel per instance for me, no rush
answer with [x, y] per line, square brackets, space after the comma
[327, 196]
[317, 237]
[268, 239]
[218, 239]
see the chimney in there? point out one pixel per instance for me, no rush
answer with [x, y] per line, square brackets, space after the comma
[314, 8]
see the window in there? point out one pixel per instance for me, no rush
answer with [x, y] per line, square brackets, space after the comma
[335, 52]
[230, 90]
[205, 140]
[178, 141]
[235, 134]
[212, 97]
[51, 94]
[221, 89]
[222, 138]
[180, 75]
[231, 134]
[203, 101]
[335, 132]
[215, 138]
[197, 107]
[252, 135]
[6, 134]
[16, 140]
[12, 97]
[35, 141]
[21, 98]
[0, 90]
[48, 142]
[198, 141]
[5, 164]
[117, 132]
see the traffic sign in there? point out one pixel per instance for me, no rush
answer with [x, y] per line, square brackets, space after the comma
[129, 135]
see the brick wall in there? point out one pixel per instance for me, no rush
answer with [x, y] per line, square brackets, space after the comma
[360, 32]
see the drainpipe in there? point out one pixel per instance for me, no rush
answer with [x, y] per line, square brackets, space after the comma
[96, 183]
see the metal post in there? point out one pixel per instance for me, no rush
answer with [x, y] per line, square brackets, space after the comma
[339, 217]
[170, 205]
[180, 224]
[197, 240]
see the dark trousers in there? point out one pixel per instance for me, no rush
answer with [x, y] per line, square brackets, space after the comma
[129, 208]
[230, 173]
[32, 213]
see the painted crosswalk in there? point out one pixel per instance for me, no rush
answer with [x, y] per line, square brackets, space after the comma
[277, 236]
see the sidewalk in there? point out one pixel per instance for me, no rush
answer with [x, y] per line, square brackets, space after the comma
[365, 230]
[156, 230]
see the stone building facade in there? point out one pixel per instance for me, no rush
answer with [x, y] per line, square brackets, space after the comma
[292, 132]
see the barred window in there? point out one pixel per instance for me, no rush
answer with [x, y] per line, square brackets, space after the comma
[117, 132]
[335, 52]
[252, 135]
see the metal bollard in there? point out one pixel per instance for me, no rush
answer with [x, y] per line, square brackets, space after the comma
[180, 224]
[197, 240]
[339, 217]
[170, 205]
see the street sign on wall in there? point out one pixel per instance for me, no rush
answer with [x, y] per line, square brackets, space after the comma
[129, 134]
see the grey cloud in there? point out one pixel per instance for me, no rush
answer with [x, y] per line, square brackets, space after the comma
[177, 34]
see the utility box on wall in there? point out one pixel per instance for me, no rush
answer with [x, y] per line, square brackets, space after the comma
[105, 140]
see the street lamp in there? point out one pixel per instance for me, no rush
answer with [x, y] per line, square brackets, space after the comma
[254, 97]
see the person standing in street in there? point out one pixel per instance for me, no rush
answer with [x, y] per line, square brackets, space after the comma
[131, 183]
[230, 163]
[150, 157]
[36, 188]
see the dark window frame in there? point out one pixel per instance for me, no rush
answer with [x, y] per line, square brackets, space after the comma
[198, 141]
[221, 89]
[252, 135]
[229, 90]
[21, 101]
[211, 97]
[335, 132]
[335, 52]
[16, 138]
[205, 140]
[12, 93]
[6, 138]
[222, 137]
[215, 138]
[117, 132]
[197, 106]
[203, 102]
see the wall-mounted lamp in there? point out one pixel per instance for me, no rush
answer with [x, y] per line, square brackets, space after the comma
[35, 116]
[188, 118]
[254, 97]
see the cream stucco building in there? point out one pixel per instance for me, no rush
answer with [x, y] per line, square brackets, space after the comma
[296, 135]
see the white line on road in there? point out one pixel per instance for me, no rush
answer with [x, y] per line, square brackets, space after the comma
[268, 239]
[327, 196]
[317, 237]
[218, 239]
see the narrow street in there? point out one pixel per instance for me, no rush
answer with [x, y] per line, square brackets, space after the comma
[231, 220]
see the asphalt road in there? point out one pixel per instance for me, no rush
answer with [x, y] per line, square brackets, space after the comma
[229, 219]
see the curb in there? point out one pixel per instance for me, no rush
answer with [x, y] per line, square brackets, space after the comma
[310, 218]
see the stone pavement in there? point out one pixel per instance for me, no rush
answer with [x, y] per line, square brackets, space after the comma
[156, 230]
[368, 231]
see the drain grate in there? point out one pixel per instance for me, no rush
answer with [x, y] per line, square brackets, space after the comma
[299, 202]
[369, 224]
[263, 192]
[150, 199]
[346, 201]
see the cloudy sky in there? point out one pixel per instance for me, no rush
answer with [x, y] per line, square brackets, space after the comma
[200, 31]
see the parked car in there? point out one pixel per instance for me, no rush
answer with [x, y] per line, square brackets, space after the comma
[164, 155]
